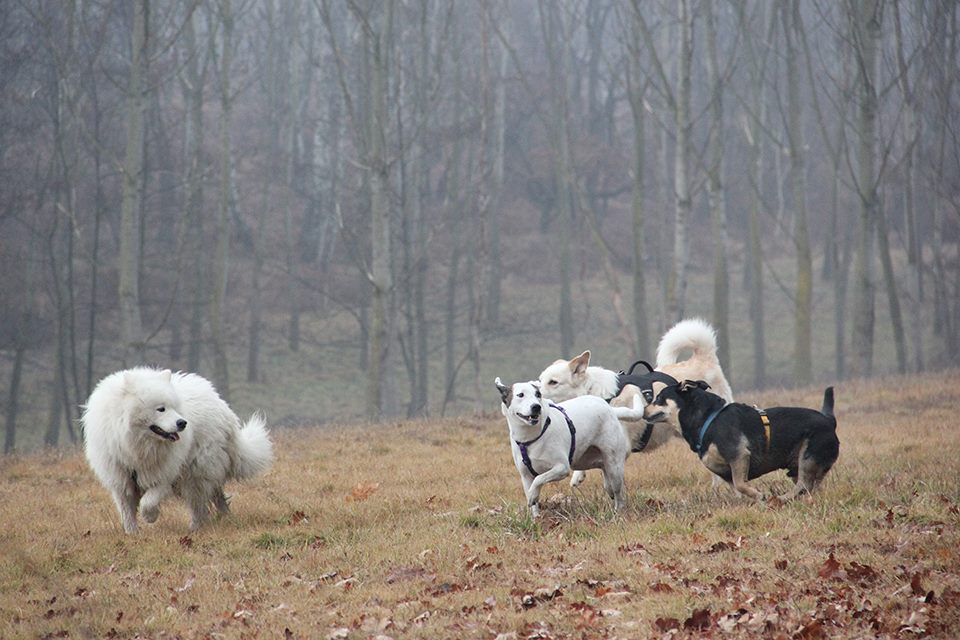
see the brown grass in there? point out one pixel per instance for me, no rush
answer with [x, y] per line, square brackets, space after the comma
[418, 530]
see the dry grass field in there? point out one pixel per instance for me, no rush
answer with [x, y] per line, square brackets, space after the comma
[418, 530]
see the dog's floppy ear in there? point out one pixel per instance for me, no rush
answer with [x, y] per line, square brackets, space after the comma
[580, 363]
[506, 392]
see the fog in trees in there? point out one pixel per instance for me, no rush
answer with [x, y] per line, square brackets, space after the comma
[353, 210]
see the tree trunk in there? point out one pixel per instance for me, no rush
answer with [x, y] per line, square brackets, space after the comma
[716, 194]
[380, 263]
[220, 273]
[635, 95]
[13, 396]
[803, 294]
[131, 328]
[865, 28]
[677, 281]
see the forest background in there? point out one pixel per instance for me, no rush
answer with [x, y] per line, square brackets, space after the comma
[365, 209]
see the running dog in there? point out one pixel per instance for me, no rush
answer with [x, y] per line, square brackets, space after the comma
[150, 433]
[586, 434]
[739, 443]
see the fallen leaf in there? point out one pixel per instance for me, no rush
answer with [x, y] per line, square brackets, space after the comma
[698, 620]
[362, 491]
[666, 624]
[830, 569]
[298, 517]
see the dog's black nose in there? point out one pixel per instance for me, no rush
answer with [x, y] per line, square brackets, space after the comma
[181, 424]
[535, 410]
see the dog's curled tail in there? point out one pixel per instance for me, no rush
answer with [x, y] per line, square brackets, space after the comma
[827, 409]
[254, 449]
[630, 414]
[695, 334]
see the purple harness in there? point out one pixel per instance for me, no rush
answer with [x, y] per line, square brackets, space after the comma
[573, 440]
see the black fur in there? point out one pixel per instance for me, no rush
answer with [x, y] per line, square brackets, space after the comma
[802, 441]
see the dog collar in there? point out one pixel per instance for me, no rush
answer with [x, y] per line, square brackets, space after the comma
[706, 425]
[644, 439]
[525, 456]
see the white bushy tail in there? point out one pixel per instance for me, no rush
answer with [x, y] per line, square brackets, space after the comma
[694, 334]
[254, 449]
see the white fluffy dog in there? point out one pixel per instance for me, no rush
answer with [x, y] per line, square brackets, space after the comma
[586, 434]
[149, 433]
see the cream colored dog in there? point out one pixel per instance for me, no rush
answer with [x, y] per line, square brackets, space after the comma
[566, 379]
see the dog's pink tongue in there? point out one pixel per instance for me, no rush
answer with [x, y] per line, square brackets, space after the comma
[174, 436]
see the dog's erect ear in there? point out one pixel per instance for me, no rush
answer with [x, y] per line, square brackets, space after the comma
[686, 385]
[579, 364]
[166, 374]
[506, 393]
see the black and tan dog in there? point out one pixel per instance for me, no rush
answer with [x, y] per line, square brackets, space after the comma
[739, 443]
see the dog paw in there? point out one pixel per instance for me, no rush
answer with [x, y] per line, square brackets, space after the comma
[150, 514]
[577, 479]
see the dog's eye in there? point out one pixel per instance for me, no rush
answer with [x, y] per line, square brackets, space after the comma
[161, 409]
[538, 394]
[553, 383]
[519, 395]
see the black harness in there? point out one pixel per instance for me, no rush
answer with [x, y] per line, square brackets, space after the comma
[525, 456]
[645, 383]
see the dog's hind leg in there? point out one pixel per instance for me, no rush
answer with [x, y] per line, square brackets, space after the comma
[221, 501]
[613, 483]
[150, 502]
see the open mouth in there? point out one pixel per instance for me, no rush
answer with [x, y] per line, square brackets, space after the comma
[166, 435]
[656, 417]
[531, 419]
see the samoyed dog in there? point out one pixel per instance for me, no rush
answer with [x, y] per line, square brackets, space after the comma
[150, 432]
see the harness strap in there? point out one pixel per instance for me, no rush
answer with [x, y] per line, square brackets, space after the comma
[523, 448]
[706, 425]
[644, 439]
[525, 455]
[766, 426]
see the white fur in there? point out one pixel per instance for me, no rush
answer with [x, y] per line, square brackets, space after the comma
[193, 461]
[601, 441]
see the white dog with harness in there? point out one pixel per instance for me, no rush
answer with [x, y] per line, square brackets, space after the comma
[551, 440]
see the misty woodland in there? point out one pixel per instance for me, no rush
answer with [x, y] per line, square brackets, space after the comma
[346, 210]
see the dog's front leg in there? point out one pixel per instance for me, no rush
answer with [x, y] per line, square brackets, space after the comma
[557, 472]
[577, 479]
[739, 470]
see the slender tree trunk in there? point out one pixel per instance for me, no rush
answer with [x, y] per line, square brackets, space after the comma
[131, 328]
[803, 295]
[866, 30]
[13, 396]
[716, 194]
[677, 281]
[220, 274]
[380, 263]
[193, 90]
